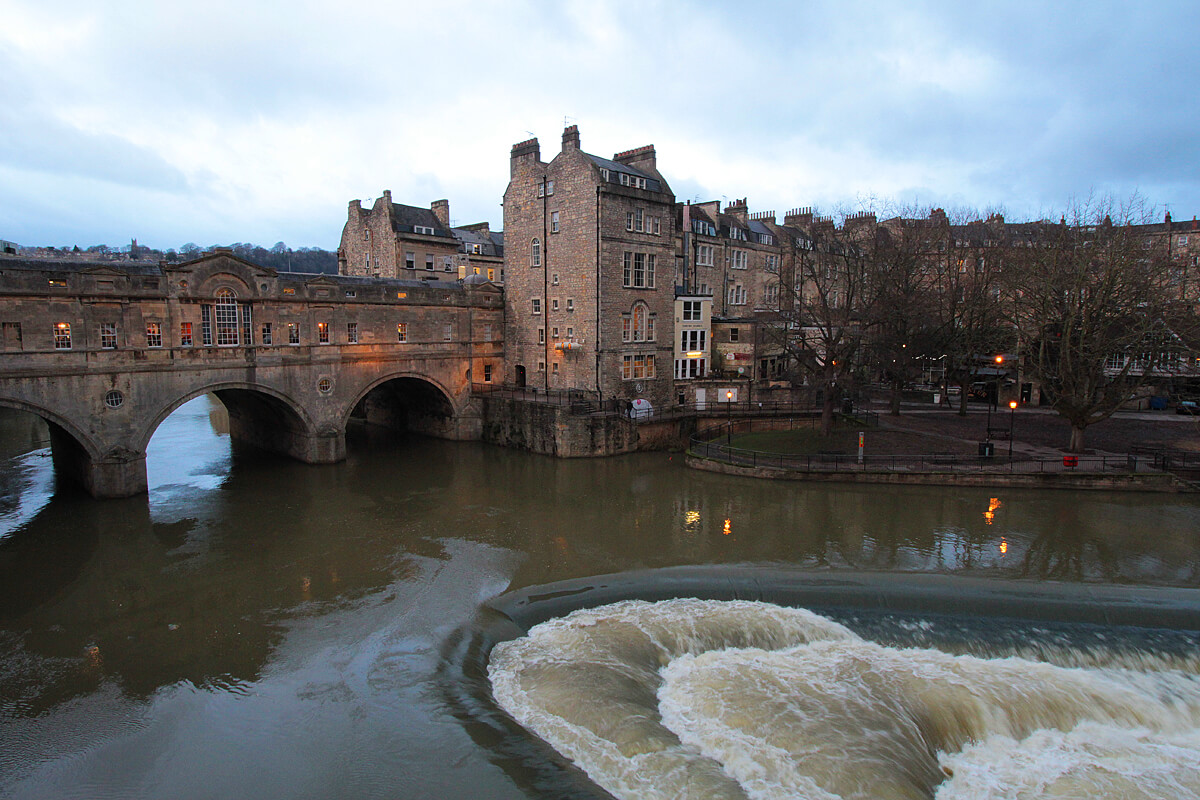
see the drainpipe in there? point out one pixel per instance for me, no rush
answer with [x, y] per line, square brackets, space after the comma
[545, 292]
[599, 326]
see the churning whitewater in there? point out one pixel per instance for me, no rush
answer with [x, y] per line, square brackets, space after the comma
[738, 699]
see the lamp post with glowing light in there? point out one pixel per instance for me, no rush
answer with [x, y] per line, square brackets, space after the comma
[1012, 420]
[990, 399]
[729, 418]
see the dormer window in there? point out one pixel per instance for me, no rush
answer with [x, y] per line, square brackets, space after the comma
[425, 229]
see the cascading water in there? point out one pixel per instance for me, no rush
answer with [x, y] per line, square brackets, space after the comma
[733, 699]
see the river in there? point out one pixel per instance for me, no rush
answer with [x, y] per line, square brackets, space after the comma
[255, 627]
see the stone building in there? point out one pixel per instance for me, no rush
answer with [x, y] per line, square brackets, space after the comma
[392, 240]
[589, 267]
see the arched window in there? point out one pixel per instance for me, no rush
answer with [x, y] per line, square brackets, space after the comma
[638, 324]
[226, 318]
[535, 253]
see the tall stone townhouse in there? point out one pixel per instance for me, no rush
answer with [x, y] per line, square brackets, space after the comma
[589, 276]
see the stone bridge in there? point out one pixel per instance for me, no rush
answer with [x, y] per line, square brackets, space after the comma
[105, 351]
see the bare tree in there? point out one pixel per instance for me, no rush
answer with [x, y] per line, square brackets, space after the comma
[1088, 297]
[822, 307]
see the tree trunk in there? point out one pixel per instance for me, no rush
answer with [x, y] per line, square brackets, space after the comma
[894, 405]
[964, 389]
[1076, 445]
[827, 406]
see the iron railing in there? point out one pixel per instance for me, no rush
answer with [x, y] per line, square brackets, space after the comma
[709, 444]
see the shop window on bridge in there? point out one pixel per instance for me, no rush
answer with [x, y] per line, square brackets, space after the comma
[323, 333]
[266, 333]
[153, 334]
[62, 336]
[352, 333]
[185, 334]
[401, 331]
[108, 336]
[293, 332]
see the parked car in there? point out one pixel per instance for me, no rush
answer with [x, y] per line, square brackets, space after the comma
[1188, 407]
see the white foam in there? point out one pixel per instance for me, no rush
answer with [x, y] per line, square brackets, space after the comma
[709, 699]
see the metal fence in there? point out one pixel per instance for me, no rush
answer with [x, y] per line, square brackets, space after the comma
[716, 444]
[589, 403]
[1167, 460]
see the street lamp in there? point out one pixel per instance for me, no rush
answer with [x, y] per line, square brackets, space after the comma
[993, 399]
[1012, 420]
[729, 418]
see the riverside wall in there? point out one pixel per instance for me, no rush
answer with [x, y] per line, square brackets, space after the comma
[1126, 482]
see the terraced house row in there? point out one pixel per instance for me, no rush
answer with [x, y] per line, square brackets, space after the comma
[614, 288]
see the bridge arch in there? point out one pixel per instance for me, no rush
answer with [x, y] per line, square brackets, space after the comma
[258, 414]
[408, 400]
[79, 457]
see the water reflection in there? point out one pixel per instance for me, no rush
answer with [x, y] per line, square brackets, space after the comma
[324, 591]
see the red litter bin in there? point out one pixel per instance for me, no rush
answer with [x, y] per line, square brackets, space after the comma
[1071, 461]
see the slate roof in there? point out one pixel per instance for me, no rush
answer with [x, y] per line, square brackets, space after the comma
[8, 262]
[467, 238]
[405, 218]
[616, 167]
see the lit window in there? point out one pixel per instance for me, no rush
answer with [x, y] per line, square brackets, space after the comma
[636, 367]
[185, 334]
[323, 332]
[62, 336]
[401, 331]
[153, 334]
[293, 332]
[491, 274]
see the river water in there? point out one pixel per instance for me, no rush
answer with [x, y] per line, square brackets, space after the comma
[261, 628]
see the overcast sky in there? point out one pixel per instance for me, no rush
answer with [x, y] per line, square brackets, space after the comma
[226, 121]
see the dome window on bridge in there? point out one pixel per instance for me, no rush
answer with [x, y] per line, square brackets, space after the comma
[325, 386]
[114, 399]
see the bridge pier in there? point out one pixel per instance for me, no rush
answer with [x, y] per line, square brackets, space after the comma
[120, 472]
